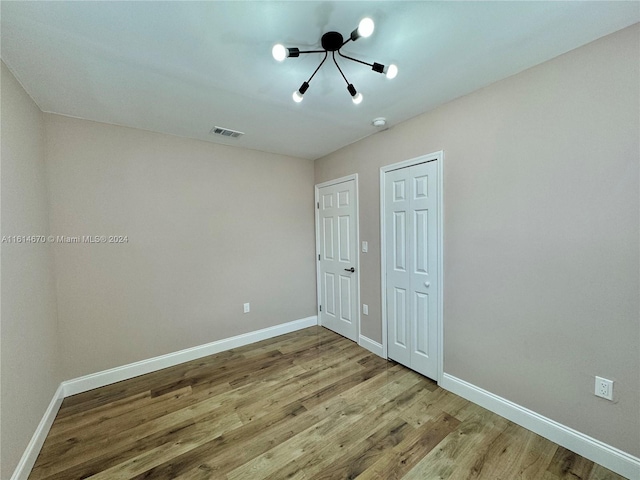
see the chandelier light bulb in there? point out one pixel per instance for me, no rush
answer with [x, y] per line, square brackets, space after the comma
[356, 97]
[279, 52]
[392, 71]
[299, 94]
[365, 27]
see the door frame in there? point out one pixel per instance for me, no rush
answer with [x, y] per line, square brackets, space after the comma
[357, 240]
[439, 158]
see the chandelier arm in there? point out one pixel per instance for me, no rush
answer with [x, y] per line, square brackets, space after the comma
[316, 70]
[339, 69]
[312, 51]
[355, 59]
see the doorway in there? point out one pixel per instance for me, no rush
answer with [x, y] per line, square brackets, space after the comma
[338, 272]
[411, 263]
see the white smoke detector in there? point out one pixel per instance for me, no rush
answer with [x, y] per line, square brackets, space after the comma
[379, 122]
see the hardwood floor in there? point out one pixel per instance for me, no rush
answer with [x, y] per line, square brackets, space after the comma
[307, 405]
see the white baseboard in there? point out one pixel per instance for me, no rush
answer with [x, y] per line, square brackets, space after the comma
[370, 345]
[107, 377]
[595, 450]
[32, 451]
[113, 375]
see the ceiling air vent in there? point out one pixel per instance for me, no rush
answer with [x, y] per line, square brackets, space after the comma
[225, 132]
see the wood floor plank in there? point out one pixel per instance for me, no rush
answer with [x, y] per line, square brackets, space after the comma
[510, 456]
[109, 393]
[430, 406]
[140, 410]
[158, 455]
[85, 419]
[303, 444]
[67, 452]
[358, 457]
[364, 444]
[234, 448]
[327, 438]
[257, 445]
[397, 461]
[217, 463]
[306, 405]
[456, 455]
[111, 457]
[568, 465]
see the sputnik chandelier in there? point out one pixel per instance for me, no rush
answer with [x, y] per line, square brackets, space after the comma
[332, 42]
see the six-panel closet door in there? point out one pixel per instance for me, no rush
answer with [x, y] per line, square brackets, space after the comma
[411, 236]
[338, 250]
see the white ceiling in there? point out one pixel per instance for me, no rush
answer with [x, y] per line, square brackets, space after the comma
[183, 67]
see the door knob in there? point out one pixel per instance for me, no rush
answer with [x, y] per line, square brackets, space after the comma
[427, 284]
[350, 269]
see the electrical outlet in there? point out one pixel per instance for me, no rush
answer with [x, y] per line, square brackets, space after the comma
[247, 308]
[365, 309]
[604, 388]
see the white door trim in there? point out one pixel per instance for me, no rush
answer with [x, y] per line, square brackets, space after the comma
[439, 157]
[357, 259]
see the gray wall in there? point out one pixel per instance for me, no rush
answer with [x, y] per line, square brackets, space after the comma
[541, 233]
[209, 227]
[29, 342]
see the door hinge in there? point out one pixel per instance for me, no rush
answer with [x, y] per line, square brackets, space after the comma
[320, 307]
[318, 205]
[318, 257]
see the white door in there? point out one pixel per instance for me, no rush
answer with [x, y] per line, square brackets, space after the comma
[337, 261]
[411, 239]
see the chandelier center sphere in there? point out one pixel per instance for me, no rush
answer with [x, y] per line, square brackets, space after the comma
[332, 41]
